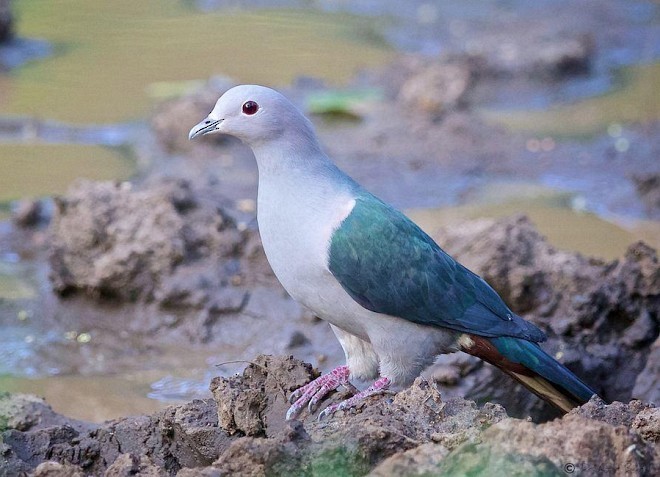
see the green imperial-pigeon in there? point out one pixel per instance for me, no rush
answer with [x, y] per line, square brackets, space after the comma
[394, 299]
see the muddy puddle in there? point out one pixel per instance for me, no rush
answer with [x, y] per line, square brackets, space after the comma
[107, 55]
[35, 170]
[112, 61]
[633, 97]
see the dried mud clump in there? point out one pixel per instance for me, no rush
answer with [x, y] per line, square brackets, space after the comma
[160, 444]
[535, 53]
[350, 443]
[593, 440]
[252, 403]
[436, 87]
[112, 240]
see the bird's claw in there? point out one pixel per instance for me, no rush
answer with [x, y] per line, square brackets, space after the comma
[325, 413]
[311, 393]
[296, 394]
[380, 386]
[320, 394]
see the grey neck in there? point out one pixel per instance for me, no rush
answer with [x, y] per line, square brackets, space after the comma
[297, 157]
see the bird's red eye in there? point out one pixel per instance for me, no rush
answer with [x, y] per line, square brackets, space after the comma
[250, 107]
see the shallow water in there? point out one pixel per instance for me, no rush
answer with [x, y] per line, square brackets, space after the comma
[91, 399]
[34, 170]
[145, 389]
[635, 98]
[107, 54]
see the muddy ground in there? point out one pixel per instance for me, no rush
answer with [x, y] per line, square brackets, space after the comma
[199, 276]
[199, 273]
[174, 259]
[241, 431]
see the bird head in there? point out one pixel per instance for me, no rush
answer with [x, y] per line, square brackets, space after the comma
[255, 115]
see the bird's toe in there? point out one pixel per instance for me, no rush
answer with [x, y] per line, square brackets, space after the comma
[311, 393]
[319, 395]
[293, 412]
[326, 412]
[295, 395]
[379, 387]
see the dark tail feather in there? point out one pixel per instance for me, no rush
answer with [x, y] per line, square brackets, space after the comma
[527, 363]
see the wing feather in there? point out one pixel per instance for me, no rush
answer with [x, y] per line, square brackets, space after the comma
[389, 265]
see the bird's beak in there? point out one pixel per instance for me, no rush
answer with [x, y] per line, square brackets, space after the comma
[204, 127]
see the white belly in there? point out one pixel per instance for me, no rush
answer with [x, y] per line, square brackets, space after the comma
[296, 240]
[296, 229]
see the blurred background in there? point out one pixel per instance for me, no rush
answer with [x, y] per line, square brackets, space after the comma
[448, 109]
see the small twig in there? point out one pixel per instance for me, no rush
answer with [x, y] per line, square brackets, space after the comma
[236, 361]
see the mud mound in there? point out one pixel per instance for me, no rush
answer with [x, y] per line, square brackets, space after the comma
[253, 404]
[415, 432]
[182, 436]
[593, 440]
[433, 87]
[162, 243]
[173, 119]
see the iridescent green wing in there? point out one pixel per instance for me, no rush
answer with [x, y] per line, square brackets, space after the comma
[389, 265]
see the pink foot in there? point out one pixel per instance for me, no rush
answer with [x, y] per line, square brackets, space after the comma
[378, 387]
[310, 394]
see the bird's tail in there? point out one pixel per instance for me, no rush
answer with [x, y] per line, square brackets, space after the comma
[527, 363]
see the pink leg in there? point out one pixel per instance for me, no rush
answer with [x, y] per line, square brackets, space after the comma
[378, 387]
[310, 394]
